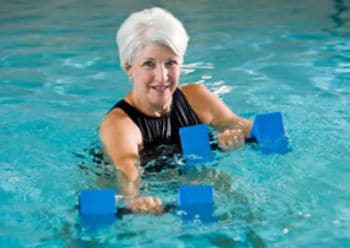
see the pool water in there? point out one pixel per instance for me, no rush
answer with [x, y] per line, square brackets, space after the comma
[59, 75]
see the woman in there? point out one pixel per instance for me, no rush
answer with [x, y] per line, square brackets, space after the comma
[152, 44]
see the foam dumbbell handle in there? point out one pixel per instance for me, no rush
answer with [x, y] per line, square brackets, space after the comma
[102, 203]
[195, 200]
[121, 211]
[251, 140]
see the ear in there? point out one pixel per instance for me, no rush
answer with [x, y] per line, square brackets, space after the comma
[128, 70]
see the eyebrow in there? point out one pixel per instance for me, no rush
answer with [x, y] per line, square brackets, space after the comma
[173, 57]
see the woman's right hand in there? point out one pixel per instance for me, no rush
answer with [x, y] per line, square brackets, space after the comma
[231, 139]
[146, 204]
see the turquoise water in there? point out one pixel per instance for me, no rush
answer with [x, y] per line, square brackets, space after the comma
[59, 75]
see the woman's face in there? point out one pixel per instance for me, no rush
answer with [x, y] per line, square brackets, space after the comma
[155, 75]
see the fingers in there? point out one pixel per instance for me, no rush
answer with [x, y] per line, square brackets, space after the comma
[231, 139]
[147, 204]
[153, 204]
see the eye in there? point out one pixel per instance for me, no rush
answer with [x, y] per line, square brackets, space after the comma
[171, 62]
[148, 63]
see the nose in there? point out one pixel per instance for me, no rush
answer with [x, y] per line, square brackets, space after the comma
[161, 74]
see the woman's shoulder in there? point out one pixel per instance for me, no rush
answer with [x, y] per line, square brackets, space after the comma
[116, 115]
[194, 91]
[191, 87]
[117, 121]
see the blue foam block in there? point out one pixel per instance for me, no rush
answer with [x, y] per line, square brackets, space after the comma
[197, 201]
[195, 144]
[203, 213]
[94, 222]
[195, 194]
[97, 202]
[268, 130]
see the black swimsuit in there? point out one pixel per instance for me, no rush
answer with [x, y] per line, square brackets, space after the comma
[164, 129]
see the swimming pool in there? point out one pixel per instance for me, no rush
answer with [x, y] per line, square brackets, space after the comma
[60, 75]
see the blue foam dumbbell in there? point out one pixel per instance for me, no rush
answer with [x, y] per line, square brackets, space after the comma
[267, 131]
[98, 207]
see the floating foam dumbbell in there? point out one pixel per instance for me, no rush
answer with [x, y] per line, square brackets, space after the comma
[267, 131]
[98, 207]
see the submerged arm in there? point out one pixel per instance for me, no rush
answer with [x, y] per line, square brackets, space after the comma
[121, 139]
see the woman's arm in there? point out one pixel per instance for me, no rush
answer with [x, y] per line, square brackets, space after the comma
[121, 139]
[211, 110]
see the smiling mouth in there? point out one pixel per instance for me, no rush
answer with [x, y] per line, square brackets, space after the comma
[160, 87]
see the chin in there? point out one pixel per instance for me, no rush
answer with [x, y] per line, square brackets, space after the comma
[160, 102]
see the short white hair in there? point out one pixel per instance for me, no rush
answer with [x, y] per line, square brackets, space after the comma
[154, 25]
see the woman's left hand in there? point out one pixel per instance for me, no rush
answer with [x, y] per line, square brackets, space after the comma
[231, 139]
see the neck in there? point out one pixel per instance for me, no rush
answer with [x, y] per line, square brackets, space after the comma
[148, 108]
